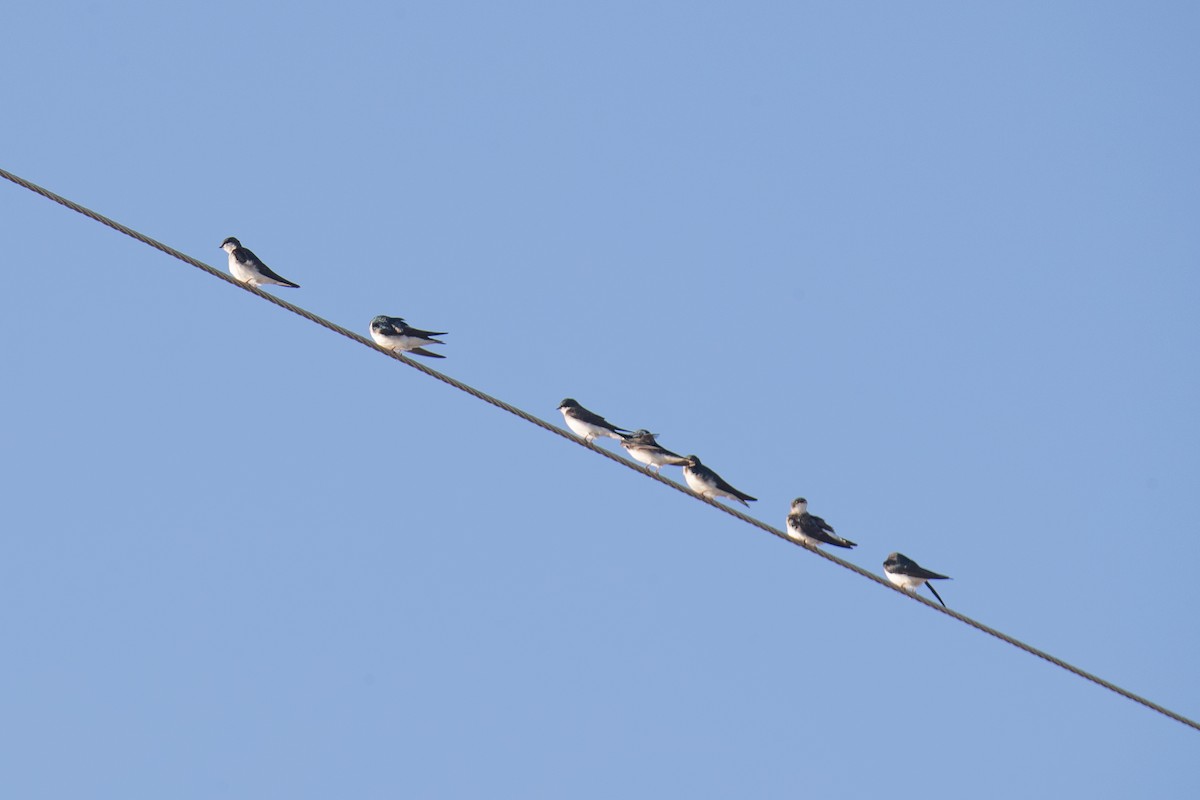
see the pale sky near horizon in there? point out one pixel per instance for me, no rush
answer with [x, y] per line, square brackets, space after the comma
[932, 266]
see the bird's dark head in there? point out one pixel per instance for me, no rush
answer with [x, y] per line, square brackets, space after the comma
[799, 501]
[230, 243]
[893, 560]
[568, 403]
[692, 461]
[381, 324]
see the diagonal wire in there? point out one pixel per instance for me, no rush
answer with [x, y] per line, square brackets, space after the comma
[646, 471]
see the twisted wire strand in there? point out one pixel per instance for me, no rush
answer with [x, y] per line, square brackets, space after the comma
[646, 471]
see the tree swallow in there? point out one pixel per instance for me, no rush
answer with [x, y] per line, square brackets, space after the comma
[587, 424]
[393, 333]
[246, 267]
[811, 530]
[909, 575]
[706, 483]
[643, 447]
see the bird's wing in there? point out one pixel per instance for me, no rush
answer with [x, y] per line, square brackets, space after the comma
[583, 415]
[724, 486]
[915, 570]
[820, 523]
[245, 257]
[424, 334]
[664, 451]
[818, 529]
[676, 459]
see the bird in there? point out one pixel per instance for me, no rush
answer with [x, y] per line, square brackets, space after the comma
[643, 447]
[393, 333]
[709, 484]
[587, 424]
[247, 268]
[909, 575]
[811, 530]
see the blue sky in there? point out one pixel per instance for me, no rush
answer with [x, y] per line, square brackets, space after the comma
[931, 265]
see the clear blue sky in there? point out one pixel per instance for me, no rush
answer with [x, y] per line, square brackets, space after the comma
[931, 265]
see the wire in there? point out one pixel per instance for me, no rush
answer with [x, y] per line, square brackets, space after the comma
[646, 471]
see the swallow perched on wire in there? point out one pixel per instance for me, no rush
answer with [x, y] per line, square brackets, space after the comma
[396, 335]
[586, 424]
[812, 530]
[248, 268]
[909, 575]
[706, 483]
[642, 445]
